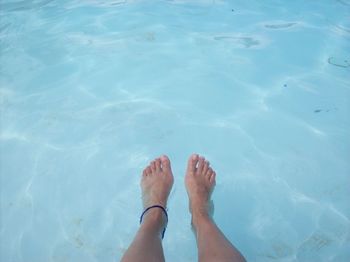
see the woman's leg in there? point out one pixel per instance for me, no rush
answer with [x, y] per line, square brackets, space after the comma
[211, 242]
[156, 183]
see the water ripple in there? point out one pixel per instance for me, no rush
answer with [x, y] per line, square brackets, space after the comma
[24, 5]
[344, 63]
[343, 2]
[280, 25]
[246, 42]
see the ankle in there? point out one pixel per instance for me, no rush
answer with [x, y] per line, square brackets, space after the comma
[154, 215]
[154, 219]
[199, 218]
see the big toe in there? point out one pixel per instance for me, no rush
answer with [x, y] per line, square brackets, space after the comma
[166, 166]
[192, 163]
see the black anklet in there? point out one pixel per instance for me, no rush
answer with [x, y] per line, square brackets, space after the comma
[163, 209]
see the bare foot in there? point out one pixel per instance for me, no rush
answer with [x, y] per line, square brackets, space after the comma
[156, 183]
[200, 182]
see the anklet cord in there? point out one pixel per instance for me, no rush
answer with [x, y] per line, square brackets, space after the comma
[156, 206]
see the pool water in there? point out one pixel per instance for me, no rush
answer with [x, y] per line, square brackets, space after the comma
[91, 91]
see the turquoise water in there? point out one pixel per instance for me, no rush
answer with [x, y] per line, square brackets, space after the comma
[91, 91]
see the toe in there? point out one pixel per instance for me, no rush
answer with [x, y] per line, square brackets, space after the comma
[158, 165]
[209, 172]
[153, 166]
[165, 163]
[212, 178]
[205, 167]
[200, 164]
[148, 171]
[192, 163]
[144, 172]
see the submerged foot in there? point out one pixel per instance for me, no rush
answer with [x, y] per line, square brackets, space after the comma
[156, 183]
[200, 182]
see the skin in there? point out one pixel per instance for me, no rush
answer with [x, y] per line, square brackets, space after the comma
[156, 183]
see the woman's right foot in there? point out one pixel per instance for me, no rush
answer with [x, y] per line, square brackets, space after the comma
[156, 183]
[200, 182]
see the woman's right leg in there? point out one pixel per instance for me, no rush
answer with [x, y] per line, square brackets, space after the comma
[211, 242]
